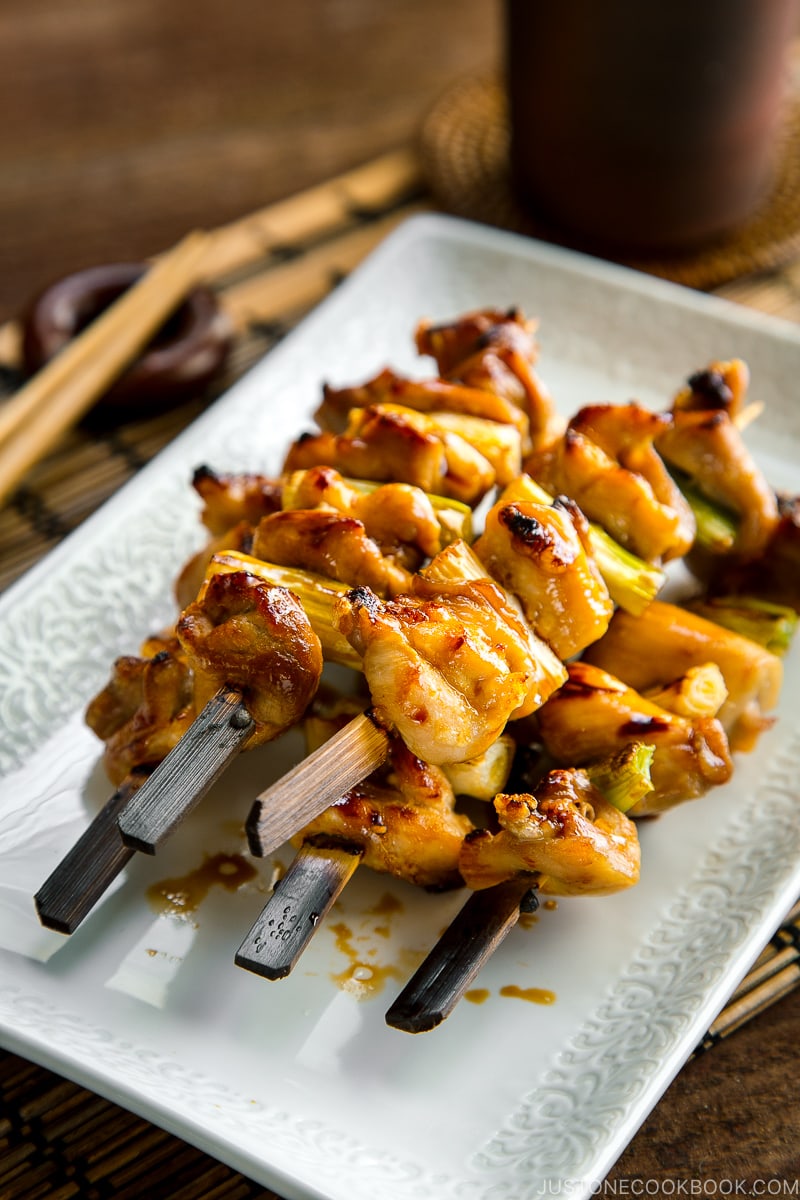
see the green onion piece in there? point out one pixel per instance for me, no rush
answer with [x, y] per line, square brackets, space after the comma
[771, 625]
[317, 595]
[717, 527]
[632, 583]
[624, 778]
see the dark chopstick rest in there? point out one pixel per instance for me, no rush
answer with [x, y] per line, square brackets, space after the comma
[296, 907]
[468, 942]
[179, 783]
[88, 869]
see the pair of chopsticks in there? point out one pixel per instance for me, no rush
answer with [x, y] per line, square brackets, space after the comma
[66, 388]
[33, 420]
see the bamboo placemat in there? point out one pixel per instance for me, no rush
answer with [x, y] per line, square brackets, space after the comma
[58, 1140]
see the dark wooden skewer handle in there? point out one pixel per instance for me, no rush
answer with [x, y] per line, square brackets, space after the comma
[296, 907]
[178, 783]
[89, 868]
[309, 788]
[472, 937]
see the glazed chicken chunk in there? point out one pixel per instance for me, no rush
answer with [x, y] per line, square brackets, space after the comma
[391, 447]
[707, 446]
[594, 715]
[448, 664]
[539, 552]
[230, 499]
[494, 351]
[330, 544]
[247, 634]
[403, 820]
[606, 463]
[426, 395]
[567, 834]
[720, 385]
[145, 708]
[402, 519]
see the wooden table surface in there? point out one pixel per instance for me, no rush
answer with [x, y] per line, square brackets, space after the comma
[125, 123]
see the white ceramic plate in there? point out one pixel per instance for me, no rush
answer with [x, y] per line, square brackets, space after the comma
[300, 1084]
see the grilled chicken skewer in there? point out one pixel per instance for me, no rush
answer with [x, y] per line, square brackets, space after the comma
[243, 630]
[567, 840]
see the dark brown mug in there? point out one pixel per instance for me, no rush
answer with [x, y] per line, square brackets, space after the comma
[645, 125]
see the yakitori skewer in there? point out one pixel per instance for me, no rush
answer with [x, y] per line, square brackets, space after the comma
[567, 839]
[325, 540]
[251, 647]
[404, 681]
[242, 628]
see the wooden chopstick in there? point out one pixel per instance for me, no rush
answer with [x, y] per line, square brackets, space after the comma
[66, 388]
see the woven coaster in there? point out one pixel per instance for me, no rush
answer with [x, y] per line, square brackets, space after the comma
[465, 148]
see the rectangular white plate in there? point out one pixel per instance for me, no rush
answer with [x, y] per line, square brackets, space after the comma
[300, 1084]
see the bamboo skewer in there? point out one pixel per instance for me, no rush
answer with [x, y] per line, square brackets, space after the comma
[64, 390]
[468, 942]
[316, 878]
[90, 867]
[316, 783]
[179, 783]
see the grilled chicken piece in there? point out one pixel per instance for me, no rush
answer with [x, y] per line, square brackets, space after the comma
[329, 544]
[449, 664]
[230, 499]
[708, 447]
[500, 445]
[567, 834]
[666, 641]
[606, 463]
[455, 342]
[539, 552]
[720, 385]
[575, 840]
[495, 351]
[773, 575]
[403, 820]
[595, 714]
[386, 446]
[399, 517]
[145, 708]
[250, 635]
[476, 453]
[427, 395]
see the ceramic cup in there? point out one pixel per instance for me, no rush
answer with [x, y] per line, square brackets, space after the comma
[646, 125]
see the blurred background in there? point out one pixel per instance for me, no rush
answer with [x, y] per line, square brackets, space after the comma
[127, 122]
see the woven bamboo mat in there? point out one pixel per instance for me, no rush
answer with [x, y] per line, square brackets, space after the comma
[58, 1140]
